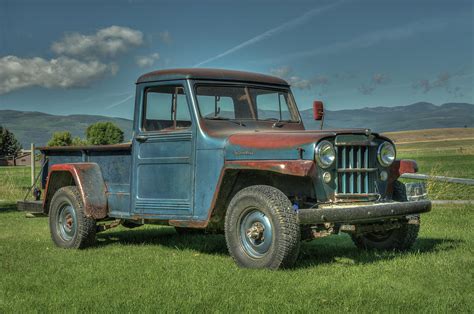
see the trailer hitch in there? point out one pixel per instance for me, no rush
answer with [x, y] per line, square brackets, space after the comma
[107, 226]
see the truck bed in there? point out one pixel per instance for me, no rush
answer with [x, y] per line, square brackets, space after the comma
[114, 162]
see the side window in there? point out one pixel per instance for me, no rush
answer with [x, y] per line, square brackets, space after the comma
[165, 107]
[273, 105]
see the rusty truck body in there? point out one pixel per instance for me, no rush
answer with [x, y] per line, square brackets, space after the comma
[227, 151]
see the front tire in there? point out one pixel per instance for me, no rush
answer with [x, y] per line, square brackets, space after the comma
[261, 228]
[70, 227]
[400, 239]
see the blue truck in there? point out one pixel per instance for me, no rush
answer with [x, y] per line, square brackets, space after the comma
[226, 151]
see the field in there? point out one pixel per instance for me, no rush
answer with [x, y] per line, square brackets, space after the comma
[154, 269]
[440, 152]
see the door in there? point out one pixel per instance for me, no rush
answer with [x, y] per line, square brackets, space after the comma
[164, 154]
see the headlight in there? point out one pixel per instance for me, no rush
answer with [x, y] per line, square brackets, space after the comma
[386, 154]
[325, 154]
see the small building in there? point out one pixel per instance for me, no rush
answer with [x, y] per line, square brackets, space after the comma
[22, 159]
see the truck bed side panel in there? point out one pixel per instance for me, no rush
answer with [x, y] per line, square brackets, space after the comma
[115, 164]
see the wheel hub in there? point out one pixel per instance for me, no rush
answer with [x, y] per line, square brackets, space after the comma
[66, 222]
[256, 231]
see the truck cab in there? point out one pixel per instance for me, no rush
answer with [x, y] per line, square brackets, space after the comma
[227, 151]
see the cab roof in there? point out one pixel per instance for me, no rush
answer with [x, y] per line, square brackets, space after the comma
[210, 74]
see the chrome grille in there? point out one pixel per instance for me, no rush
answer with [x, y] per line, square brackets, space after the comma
[356, 172]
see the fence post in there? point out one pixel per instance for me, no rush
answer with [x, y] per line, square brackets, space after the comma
[33, 164]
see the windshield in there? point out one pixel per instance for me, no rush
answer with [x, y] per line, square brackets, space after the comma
[245, 103]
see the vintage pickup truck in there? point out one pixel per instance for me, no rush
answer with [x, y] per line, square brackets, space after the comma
[227, 151]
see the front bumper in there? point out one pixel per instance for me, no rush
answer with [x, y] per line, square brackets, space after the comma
[354, 213]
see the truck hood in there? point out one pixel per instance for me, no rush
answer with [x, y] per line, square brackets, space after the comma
[288, 145]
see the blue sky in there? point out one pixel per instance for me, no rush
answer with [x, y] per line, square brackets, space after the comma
[68, 56]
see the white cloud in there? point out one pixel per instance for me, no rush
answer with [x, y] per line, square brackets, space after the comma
[444, 81]
[165, 37]
[281, 72]
[106, 42]
[80, 60]
[380, 78]
[147, 61]
[300, 83]
[285, 72]
[370, 87]
[62, 72]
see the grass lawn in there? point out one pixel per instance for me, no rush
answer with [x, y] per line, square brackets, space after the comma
[153, 269]
[452, 158]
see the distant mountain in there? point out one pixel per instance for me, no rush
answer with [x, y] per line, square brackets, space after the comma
[37, 127]
[417, 116]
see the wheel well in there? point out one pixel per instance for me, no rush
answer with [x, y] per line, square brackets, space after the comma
[235, 180]
[57, 180]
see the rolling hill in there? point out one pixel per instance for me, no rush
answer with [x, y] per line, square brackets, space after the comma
[38, 127]
[417, 116]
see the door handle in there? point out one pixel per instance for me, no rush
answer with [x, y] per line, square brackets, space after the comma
[141, 138]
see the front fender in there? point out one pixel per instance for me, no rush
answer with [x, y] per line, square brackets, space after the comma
[300, 168]
[401, 166]
[87, 177]
[222, 194]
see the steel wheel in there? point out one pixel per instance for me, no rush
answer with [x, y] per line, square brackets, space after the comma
[261, 228]
[256, 234]
[66, 222]
[70, 227]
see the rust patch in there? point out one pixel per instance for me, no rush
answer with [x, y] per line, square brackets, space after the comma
[301, 168]
[123, 146]
[402, 166]
[88, 179]
[272, 140]
[398, 168]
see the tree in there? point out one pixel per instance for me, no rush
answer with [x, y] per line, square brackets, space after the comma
[77, 141]
[104, 133]
[63, 138]
[9, 145]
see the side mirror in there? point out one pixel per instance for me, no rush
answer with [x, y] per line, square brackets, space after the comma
[318, 110]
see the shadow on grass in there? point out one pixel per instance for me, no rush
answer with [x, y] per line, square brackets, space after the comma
[331, 250]
[213, 244]
[342, 251]
[7, 207]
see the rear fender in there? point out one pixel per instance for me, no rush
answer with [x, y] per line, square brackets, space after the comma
[88, 179]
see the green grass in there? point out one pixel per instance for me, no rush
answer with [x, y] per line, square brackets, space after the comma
[152, 268]
[14, 182]
[443, 158]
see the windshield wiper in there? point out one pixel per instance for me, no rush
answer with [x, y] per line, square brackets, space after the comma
[224, 119]
[278, 123]
[216, 118]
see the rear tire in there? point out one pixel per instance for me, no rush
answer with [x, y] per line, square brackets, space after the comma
[261, 228]
[400, 239]
[69, 226]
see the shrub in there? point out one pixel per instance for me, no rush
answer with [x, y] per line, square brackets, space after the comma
[63, 138]
[104, 133]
